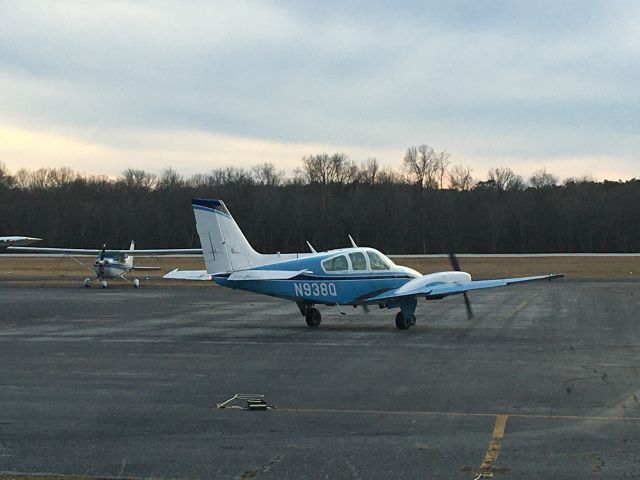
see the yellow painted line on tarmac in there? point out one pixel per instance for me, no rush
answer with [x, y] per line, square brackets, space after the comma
[491, 455]
[520, 307]
[459, 414]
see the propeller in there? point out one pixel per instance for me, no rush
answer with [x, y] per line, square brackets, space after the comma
[102, 252]
[456, 266]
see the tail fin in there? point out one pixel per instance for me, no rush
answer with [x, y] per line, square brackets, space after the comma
[224, 246]
[129, 259]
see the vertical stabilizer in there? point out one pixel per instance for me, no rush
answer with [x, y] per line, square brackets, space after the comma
[224, 246]
[129, 259]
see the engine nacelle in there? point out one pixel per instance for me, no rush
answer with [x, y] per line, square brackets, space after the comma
[434, 279]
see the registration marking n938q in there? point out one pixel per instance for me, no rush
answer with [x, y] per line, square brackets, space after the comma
[316, 289]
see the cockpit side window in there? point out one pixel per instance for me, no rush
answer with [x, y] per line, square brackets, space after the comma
[336, 264]
[358, 262]
[377, 262]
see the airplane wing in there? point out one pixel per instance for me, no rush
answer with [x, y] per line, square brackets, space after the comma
[85, 251]
[166, 251]
[441, 290]
[10, 241]
[71, 251]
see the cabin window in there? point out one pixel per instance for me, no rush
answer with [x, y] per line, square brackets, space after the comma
[358, 261]
[336, 264]
[377, 262]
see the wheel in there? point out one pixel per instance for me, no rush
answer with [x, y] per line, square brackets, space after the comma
[313, 317]
[401, 322]
[104, 284]
[87, 282]
[136, 283]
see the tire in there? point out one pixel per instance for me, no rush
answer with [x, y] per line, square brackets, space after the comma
[401, 322]
[313, 317]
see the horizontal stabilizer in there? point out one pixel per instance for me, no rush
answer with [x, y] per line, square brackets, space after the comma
[265, 275]
[178, 274]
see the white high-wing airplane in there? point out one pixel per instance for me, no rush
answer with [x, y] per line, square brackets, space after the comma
[111, 263]
[17, 241]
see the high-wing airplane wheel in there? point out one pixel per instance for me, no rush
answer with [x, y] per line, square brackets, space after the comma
[87, 282]
[136, 283]
[313, 317]
[104, 284]
[401, 322]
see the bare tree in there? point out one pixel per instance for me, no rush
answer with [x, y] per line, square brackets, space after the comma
[503, 178]
[422, 164]
[317, 168]
[585, 178]
[267, 174]
[442, 163]
[169, 178]
[138, 178]
[369, 171]
[22, 178]
[5, 177]
[427, 167]
[460, 178]
[58, 177]
[325, 169]
[543, 179]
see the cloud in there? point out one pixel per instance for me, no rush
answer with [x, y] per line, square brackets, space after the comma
[509, 81]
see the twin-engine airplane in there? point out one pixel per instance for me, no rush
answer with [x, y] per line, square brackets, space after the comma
[17, 241]
[111, 263]
[354, 276]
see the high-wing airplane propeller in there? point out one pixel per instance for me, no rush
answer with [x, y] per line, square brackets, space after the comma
[356, 276]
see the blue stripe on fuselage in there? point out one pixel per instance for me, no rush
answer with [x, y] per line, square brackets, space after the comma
[345, 291]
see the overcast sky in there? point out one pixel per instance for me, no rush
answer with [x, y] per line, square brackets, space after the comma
[102, 86]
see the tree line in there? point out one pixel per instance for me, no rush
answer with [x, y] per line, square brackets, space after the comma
[427, 206]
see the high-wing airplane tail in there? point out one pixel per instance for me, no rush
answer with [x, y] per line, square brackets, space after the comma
[129, 259]
[224, 246]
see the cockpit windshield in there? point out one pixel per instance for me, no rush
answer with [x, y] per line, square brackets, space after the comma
[117, 256]
[378, 261]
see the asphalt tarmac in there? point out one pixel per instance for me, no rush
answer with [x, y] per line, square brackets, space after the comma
[543, 383]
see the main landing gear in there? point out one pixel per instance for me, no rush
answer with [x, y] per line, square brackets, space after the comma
[404, 323]
[406, 317]
[310, 314]
[103, 283]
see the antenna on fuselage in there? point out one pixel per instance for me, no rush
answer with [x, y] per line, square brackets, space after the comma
[313, 250]
[353, 244]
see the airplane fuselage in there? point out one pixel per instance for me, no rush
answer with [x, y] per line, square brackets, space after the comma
[351, 285]
[109, 268]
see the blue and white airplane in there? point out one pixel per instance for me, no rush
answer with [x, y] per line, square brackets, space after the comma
[356, 276]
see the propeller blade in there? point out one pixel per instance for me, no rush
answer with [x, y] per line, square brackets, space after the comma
[455, 265]
[468, 305]
[104, 247]
[454, 262]
[365, 307]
